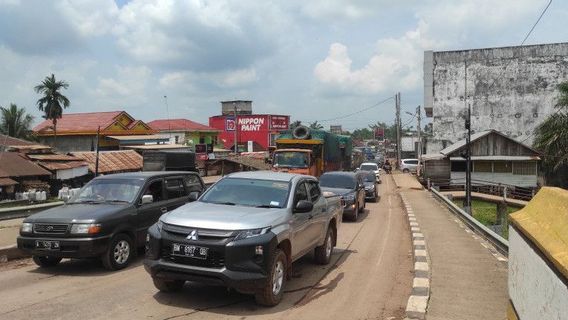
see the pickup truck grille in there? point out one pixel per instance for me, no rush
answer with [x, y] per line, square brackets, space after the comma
[50, 228]
[204, 234]
[214, 259]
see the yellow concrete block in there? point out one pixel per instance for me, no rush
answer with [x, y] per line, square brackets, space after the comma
[511, 314]
[545, 222]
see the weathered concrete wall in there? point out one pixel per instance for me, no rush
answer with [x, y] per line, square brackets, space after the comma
[510, 89]
[70, 143]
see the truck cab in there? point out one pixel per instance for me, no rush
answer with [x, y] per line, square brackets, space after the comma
[301, 161]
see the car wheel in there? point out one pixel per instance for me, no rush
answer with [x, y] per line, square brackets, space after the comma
[168, 285]
[323, 252]
[355, 214]
[376, 197]
[273, 290]
[362, 209]
[405, 171]
[119, 252]
[46, 261]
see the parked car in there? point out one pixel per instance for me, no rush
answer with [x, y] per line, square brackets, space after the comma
[244, 232]
[350, 187]
[370, 166]
[108, 218]
[408, 165]
[371, 186]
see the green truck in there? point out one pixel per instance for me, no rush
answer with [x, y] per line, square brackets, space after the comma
[312, 152]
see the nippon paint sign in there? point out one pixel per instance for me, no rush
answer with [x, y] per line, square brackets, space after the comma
[251, 123]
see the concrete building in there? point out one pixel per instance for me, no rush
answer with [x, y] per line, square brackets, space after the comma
[510, 89]
[185, 132]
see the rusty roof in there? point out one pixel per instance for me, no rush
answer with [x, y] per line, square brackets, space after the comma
[11, 141]
[13, 164]
[63, 165]
[7, 182]
[179, 125]
[112, 161]
[53, 157]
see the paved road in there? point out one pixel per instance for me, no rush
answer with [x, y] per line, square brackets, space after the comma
[370, 277]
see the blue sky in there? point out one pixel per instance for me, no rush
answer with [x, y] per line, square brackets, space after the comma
[314, 60]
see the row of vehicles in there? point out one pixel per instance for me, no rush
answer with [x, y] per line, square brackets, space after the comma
[243, 232]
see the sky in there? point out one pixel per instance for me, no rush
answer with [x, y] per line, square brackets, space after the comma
[314, 60]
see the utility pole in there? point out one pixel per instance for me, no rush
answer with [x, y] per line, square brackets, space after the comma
[419, 153]
[467, 200]
[398, 124]
[236, 126]
[97, 154]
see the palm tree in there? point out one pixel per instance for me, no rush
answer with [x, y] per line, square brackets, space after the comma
[53, 102]
[15, 122]
[316, 125]
[551, 136]
[295, 124]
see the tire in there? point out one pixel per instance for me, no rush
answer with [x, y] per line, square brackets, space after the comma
[362, 209]
[273, 290]
[355, 214]
[119, 252]
[168, 285]
[323, 252]
[46, 261]
[376, 198]
[405, 171]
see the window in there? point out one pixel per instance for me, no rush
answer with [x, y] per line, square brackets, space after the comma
[524, 168]
[192, 183]
[502, 167]
[458, 166]
[301, 193]
[314, 191]
[482, 166]
[174, 188]
[411, 161]
[201, 140]
[155, 190]
[177, 139]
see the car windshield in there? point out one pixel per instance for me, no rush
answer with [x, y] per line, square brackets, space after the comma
[369, 167]
[370, 177]
[248, 192]
[108, 190]
[337, 181]
[291, 159]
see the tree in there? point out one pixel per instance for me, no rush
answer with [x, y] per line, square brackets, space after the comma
[52, 102]
[295, 124]
[551, 138]
[15, 122]
[316, 125]
[390, 131]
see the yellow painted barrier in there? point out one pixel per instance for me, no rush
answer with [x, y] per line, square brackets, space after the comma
[544, 220]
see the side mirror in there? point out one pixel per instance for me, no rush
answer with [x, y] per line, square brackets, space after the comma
[303, 206]
[147, 198]
[194, 195]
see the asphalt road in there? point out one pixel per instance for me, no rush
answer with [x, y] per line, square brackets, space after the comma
[370, 277]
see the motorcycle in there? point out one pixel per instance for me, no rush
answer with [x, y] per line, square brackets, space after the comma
[387, 168]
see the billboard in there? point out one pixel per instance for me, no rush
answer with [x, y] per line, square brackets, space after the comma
[380, 134]
[279, 122]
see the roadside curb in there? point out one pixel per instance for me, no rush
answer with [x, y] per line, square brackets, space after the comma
[418, 301]
[11, 252]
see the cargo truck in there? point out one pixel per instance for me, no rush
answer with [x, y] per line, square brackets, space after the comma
[311, 152]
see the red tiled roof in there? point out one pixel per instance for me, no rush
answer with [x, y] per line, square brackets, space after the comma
[12, 164]
[7, 182]
[112, 161]
[53, 157]
[88, 121]
[62, 165]
[11, 141]
[179, 124]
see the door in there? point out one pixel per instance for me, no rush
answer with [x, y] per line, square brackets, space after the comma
[149, 213]
[318, 224]
[176, 193]
[300, 222]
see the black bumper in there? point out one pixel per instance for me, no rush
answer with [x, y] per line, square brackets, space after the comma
[230, 263]
[69, 247]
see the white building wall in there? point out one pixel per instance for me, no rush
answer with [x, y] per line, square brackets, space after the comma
[534, 288]
[528, 181]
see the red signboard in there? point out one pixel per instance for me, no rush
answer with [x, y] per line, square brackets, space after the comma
[379, 133]
[230, 124]
[279, 122]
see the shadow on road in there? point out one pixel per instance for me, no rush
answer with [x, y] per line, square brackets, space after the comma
[85, 267]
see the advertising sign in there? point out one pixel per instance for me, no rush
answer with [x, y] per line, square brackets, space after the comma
[279, 122]
[379, 133]
[250, 123]
[230, 124]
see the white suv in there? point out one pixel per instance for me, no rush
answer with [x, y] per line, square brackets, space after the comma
[371, 166]
[408, 165]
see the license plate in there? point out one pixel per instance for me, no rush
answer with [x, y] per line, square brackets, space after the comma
[189, 251]
[47, 245]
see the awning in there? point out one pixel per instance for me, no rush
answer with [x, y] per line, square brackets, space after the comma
[4, 182]
[139, 139]
[157, 147]
[499, 158]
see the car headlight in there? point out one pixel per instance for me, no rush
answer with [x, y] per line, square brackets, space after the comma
[27, 227]
[371, 187]
[159, 225]
[85, 228]
[245, 234]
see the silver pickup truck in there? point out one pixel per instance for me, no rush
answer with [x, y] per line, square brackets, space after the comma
[244, 233]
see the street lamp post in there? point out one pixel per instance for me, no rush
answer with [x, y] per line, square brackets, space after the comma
[236, 126]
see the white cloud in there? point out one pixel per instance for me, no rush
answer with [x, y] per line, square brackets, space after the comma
[90, 17]
[129, 84]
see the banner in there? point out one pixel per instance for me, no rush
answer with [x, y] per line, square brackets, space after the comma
[279, 122]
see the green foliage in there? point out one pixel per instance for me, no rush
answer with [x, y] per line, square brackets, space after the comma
[15, 122]
[316, 125]
[295, 124]
[485, 212]
[551, 138]
[52, 102]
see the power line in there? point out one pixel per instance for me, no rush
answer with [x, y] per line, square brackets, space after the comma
[537, 21]
[356, 112]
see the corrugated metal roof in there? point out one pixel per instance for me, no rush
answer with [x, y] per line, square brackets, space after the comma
[12, 164]
[112, 161]
[11, 141]
[502, 158]
[62, 165]
[53, 157]
[460, 144]
[145, 137]
[87, 121]
[7, 182]
[179, 125]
